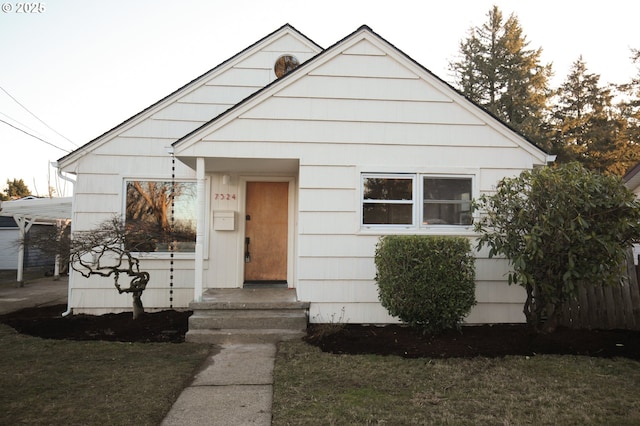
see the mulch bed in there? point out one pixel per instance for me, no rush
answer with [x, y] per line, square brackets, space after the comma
[46, 322]
[470, 341]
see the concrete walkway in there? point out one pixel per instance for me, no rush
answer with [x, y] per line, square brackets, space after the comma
[41, 292]
[235, 387]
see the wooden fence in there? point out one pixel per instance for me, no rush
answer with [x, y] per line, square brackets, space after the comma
[607, 307]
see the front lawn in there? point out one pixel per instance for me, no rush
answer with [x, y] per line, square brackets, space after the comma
[316, 388]
[61, 382]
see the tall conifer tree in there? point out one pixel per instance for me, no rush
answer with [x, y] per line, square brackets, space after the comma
[588, 127]
[498, 71]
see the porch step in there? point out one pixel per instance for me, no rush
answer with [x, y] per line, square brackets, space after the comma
[247, 316]
[294, 319]
[242, 336]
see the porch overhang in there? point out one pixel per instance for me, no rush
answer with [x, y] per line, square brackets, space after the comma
[244, 165]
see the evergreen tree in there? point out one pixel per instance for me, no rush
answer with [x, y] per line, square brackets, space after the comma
[629, 109]
[587, 126]
[16, 189]
[498, 71]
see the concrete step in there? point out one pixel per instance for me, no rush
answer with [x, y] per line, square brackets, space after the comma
[261, 315]
[248, 319]
[242, 336]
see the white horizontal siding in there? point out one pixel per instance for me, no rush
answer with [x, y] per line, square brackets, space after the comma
[162, 129]
[328, 200]
[185, 111]
[331, 245]
[97, 203]
[327, 176]
[364, 47]
[289, 44]
[320, 291]
[338, 269]
[327, 223]
[368, 66]
[240, 75]
[372, 133]
[364, 111]
[219, 95]
[363, 88]
[150, 166]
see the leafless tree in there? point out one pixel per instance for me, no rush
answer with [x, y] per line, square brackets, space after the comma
[108, 251]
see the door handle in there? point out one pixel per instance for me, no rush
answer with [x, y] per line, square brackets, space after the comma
[247, 253]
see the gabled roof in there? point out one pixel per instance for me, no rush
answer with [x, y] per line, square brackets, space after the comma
[363, 31]
[152, 109]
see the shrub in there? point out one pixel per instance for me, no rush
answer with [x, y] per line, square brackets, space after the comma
[560, 227]
[427, 282]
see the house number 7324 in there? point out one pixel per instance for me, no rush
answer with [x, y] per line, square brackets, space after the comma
[219, 196]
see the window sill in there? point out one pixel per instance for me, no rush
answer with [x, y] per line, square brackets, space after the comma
[464, 231]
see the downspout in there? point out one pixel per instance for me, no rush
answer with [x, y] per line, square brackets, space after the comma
[69, 284]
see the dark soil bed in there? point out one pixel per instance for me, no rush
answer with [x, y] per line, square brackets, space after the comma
[470, 341]
[46, 322]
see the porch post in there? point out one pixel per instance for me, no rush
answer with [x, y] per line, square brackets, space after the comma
[200, 229]
[24, 225]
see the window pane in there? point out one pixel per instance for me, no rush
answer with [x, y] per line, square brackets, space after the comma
[388, 189]
[149, 215]
[387, 214]
[447, 201]
[447, 214]
[447, 189]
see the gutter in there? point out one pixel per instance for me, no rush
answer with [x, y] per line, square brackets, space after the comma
[69, 285]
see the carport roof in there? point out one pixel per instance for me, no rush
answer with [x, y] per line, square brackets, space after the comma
[46, 209]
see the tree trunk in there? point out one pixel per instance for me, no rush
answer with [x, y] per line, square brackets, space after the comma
[138, 308]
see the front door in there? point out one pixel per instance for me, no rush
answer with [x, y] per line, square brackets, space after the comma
[267, 224]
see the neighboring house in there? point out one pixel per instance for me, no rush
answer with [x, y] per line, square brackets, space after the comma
[289, 162]
[22, 219]
[9, 236]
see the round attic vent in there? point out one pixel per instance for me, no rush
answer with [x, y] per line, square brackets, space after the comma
[284, 64]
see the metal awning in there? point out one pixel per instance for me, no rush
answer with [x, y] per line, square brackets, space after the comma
[30, 210]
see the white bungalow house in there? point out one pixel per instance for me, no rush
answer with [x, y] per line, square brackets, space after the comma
[289, 163]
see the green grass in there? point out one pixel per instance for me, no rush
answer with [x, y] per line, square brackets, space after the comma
[54, 382]
[315, 388]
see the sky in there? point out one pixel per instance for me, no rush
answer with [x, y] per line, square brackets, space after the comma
[75, 69]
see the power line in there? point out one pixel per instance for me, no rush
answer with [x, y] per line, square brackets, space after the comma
[37, 118]
[24, 126]
[34, 136]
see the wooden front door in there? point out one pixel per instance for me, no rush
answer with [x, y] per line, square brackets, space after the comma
[266, 229]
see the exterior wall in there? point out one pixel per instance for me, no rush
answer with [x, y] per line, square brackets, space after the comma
[364, 111]
[138, 149]
[8, 250]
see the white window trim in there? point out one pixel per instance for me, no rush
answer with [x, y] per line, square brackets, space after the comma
[421, 177]
[413, 201]
[166, 255]
[418, 201]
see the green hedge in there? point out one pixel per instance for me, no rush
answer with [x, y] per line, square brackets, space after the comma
[427, 282]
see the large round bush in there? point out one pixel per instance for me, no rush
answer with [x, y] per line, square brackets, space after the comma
[427, 282]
